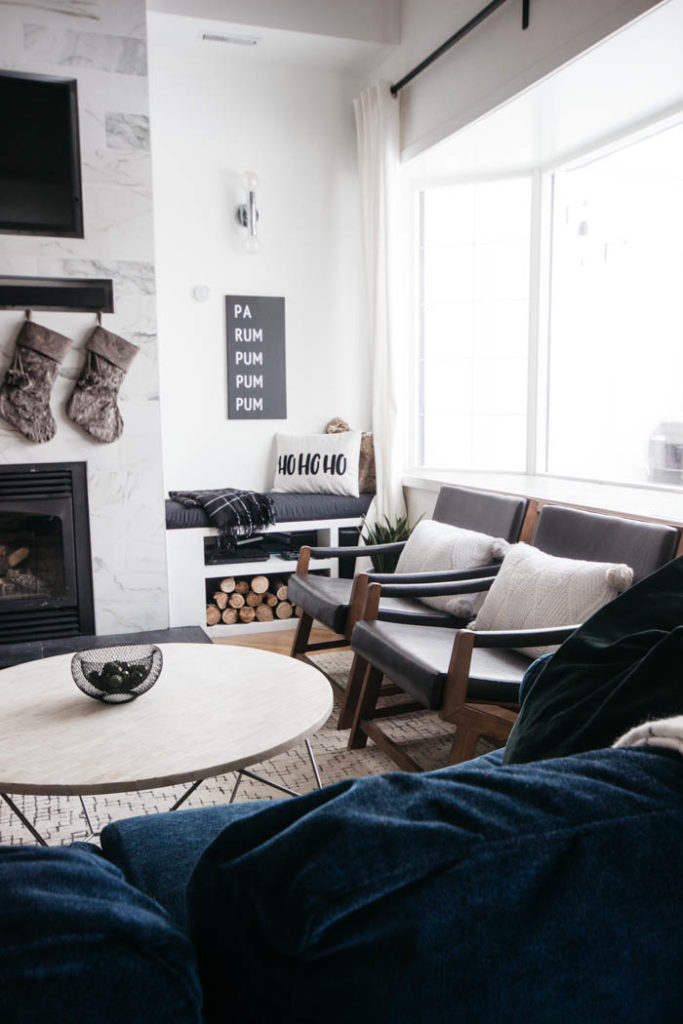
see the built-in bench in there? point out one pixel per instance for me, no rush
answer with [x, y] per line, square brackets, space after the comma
[194, 572]
[192, 575]
[289, 508]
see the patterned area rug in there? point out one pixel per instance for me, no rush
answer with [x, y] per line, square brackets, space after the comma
[60, 819]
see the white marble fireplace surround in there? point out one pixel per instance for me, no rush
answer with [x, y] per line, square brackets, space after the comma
[102, 44]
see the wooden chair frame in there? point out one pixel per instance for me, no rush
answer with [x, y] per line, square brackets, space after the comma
[495, 513]
[473, 721]
[301, 645]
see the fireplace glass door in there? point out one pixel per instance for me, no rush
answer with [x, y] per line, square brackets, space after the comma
[36, 556]
[45, 558]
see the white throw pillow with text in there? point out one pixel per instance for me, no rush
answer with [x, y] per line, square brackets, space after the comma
[318, 463]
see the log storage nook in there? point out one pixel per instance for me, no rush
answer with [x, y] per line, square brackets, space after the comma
[260, 599]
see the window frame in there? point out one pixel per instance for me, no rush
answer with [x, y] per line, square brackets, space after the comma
[540, 297]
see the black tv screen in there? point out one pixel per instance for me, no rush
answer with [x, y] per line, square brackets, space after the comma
[40, 167]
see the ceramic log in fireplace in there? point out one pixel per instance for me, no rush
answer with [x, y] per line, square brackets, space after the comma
[45, 561]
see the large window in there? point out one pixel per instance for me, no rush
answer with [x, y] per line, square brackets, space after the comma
[615, 367]
[474, 325]
[607, 402]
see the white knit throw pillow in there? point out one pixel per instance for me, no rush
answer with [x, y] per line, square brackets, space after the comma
[434, 546]
[534, 590]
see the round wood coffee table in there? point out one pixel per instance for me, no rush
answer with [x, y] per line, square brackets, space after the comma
[214, 709]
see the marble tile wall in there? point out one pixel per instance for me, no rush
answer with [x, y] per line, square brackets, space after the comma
[102, 44]
[68, 49]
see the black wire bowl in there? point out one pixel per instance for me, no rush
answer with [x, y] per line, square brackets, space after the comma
[116, 675]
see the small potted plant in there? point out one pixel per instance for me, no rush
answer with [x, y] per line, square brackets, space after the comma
[385, 531]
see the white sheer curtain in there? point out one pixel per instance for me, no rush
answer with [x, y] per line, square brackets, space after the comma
[378, 151]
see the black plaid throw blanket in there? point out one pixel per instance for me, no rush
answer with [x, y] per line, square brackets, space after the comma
[236, 514]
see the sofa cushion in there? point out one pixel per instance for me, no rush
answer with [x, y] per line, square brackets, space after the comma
[534, 590]
[621, 668]
[80, 944]
[467, 894]
[434, 546]
[157, 853]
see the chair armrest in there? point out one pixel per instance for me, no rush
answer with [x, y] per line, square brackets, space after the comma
[442, 589]
[375, 592]
[447, 575]
[366, 549]
[522, 637]
[464, 640]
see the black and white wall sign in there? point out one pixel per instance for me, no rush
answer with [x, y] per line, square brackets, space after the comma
[257, 383]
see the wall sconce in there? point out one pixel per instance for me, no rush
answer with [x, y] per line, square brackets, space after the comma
[247, 214]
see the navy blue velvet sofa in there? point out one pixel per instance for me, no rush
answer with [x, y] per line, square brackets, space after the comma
[539, 892]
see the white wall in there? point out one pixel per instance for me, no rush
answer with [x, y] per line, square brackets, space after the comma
[101, 43]
[494, 62]
[369, 20]
[214, 116]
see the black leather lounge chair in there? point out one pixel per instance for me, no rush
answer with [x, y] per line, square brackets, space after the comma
[338, 603]
[472, 678]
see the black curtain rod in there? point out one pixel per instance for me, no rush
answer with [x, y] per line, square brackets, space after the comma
[455, 38]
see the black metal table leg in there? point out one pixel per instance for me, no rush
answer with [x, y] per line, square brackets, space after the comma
[23, 819]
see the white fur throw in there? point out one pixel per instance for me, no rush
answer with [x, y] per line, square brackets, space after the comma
[665, 732]
[434, 546]
[534, 590]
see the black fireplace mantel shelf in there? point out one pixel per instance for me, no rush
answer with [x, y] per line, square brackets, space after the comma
[68, 294]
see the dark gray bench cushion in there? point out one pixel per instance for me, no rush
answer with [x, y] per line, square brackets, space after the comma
[289, 508]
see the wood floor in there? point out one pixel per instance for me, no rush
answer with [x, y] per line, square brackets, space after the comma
[279, 641]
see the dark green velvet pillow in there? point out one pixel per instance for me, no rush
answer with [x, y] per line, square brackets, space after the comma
[622, 667]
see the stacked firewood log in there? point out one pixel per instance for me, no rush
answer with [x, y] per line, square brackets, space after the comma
[9, 559]
[17, 581]
[259, 599]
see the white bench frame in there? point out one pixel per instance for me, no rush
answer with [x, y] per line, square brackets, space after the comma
[187, 573]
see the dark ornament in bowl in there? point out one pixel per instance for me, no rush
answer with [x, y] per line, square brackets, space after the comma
[116, 675]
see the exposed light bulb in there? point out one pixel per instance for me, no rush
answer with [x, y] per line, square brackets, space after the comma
[247, 214]
[250, 181]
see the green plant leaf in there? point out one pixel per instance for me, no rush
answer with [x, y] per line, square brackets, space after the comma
[386, 532]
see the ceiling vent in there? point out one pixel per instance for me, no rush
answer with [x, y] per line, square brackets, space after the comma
[218, 37]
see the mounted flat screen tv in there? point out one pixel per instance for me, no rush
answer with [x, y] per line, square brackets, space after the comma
[40, 165]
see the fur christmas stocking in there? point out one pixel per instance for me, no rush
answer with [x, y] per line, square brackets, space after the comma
[93, 402]
[25, 391]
